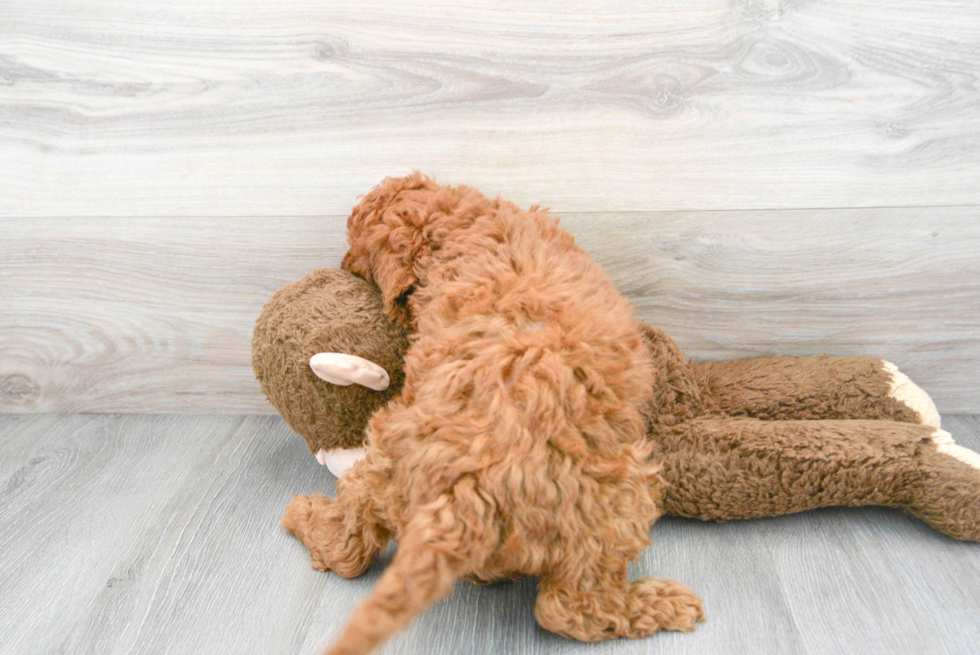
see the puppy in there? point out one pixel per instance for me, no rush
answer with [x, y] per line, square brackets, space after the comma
[517, 445]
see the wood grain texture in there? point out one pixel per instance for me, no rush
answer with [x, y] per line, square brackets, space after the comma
[156, 315]
[218, 573]
[150, 534]
[76, 494]
[897, 284]
[144, 315]
[237, 107]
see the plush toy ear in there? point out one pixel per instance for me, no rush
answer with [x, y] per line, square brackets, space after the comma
[345, 370]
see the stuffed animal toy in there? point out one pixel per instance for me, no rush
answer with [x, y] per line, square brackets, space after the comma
[738, 439]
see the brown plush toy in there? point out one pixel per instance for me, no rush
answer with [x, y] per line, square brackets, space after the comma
[740, 439]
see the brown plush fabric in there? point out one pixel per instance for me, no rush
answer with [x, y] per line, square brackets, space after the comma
[327, 311]
[819, 387]
[739, 468]
[947, 495]
[824, 432]
[517, 446]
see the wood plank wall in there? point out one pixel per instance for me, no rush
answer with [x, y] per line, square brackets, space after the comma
[758, 176]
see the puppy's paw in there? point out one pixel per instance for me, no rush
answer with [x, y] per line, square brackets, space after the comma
[298, 516]
[307, 518]
[658, 604]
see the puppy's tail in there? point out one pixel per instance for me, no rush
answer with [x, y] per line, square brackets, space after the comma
[425, 567]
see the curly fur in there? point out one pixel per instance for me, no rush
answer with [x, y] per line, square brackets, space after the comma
[517, 445]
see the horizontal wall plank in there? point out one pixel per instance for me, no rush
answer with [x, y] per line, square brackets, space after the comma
[236, 107]
[155, 315]
[144, 315]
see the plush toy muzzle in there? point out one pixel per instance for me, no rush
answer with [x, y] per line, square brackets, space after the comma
[345, 370]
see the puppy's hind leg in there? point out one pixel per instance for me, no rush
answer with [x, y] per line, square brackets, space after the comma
[601, 603]
[344, 534]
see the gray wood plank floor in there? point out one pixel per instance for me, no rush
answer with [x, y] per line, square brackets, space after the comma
[159, 534]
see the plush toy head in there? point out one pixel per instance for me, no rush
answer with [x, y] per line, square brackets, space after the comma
[337, 320]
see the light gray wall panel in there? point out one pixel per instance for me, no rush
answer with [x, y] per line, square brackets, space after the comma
[236, 107]
[155, 315]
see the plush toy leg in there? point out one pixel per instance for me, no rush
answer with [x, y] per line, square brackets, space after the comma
[737, 468]
[593, 604]
[823, 387]
[949, 498]
[344, 534]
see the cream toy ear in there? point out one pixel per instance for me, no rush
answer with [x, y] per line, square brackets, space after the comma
[339, 460]
[345, 370]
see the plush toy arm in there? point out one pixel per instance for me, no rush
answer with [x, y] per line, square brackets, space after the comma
[821, 387]
[737, 468]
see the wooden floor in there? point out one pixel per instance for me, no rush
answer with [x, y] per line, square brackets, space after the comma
[158, 534]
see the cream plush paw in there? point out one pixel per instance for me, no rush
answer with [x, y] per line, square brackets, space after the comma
[948, 496]
[912, 396]
[945, 445]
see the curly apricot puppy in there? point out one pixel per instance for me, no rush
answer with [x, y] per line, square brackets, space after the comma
[517, 445]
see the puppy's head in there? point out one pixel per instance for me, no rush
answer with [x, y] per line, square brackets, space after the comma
[388, 238]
